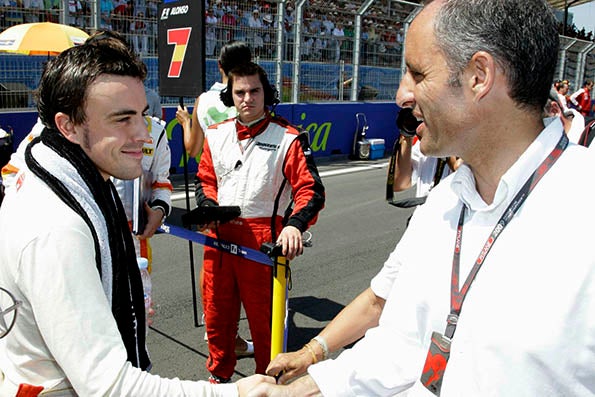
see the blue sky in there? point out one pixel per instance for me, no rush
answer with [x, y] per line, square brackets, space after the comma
[584, 16]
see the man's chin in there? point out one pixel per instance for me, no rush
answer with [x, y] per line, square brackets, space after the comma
[426, 148]
[248, 117]
[432, 150]
[129, 174]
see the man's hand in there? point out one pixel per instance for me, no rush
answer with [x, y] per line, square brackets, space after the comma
[454, 162]
[303, 387]
[209, 226]
[246, 384]
[290, 365]
[268, 390]
[154, 220]
[183, 116]
[291, 241]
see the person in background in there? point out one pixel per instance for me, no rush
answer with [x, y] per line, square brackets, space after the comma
[581, 99]
[74, 12]
[229, 21]
[260, 163]
[346, 87]
[35, 8]
[6, 145]
[67, 253]
[106, 8]
[562, 92]
[471, 253]
[6, 149]
[140, 38]
[154, 100]
[209, 110]
[573, 122]
[414, 168]
[17, 160]
[210, 32]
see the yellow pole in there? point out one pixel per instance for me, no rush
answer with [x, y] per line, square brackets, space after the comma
[279, 306]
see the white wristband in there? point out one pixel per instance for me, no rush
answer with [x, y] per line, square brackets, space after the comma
[322, 344]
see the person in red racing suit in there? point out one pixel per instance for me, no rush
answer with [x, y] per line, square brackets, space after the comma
[581, 99]
[259, 163]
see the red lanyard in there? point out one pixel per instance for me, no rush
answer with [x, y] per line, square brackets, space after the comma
[458, 296]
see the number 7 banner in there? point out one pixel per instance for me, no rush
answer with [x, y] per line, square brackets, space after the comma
[181, 48]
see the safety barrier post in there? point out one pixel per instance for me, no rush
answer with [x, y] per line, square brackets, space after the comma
[281, 275]
[279, 311]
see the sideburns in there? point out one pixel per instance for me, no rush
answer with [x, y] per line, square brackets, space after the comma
[85, 141]
[454, 80]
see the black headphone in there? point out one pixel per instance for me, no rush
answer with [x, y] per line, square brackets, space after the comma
[271, 95]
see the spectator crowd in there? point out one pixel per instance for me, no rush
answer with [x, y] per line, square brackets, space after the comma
[327, 29]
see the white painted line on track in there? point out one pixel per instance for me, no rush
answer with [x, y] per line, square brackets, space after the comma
[352, 169]
[324, 174]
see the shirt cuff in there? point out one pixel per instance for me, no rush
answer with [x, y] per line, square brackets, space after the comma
[162, 205]
[295, 222]
[329, 377]
[227, 390]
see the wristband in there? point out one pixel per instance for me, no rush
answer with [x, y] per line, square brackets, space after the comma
[322, 344]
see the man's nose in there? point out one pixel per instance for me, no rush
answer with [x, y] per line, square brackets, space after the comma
[404, 97]
[142, 129]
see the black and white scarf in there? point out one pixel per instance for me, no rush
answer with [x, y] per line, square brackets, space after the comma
[73, 177]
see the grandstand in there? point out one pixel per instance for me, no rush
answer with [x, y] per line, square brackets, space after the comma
[339, 40]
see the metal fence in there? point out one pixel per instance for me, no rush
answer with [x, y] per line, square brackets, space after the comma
[347, 50]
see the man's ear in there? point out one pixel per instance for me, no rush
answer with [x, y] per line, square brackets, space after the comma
[482, 71]
[66, 127]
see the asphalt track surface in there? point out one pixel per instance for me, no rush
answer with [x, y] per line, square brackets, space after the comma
[353, 237]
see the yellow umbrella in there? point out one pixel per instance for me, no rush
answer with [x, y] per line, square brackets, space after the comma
[43, 38]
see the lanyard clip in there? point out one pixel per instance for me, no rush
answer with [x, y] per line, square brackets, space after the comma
[451, 324]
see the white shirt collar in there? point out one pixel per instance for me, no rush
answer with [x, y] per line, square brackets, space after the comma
[463, 182]
[218, 86]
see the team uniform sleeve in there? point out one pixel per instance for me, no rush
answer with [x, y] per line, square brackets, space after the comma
[17, 159]
[574, 98]
[383, 282]
[206, 179]
[161, 185]
[306, 185]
